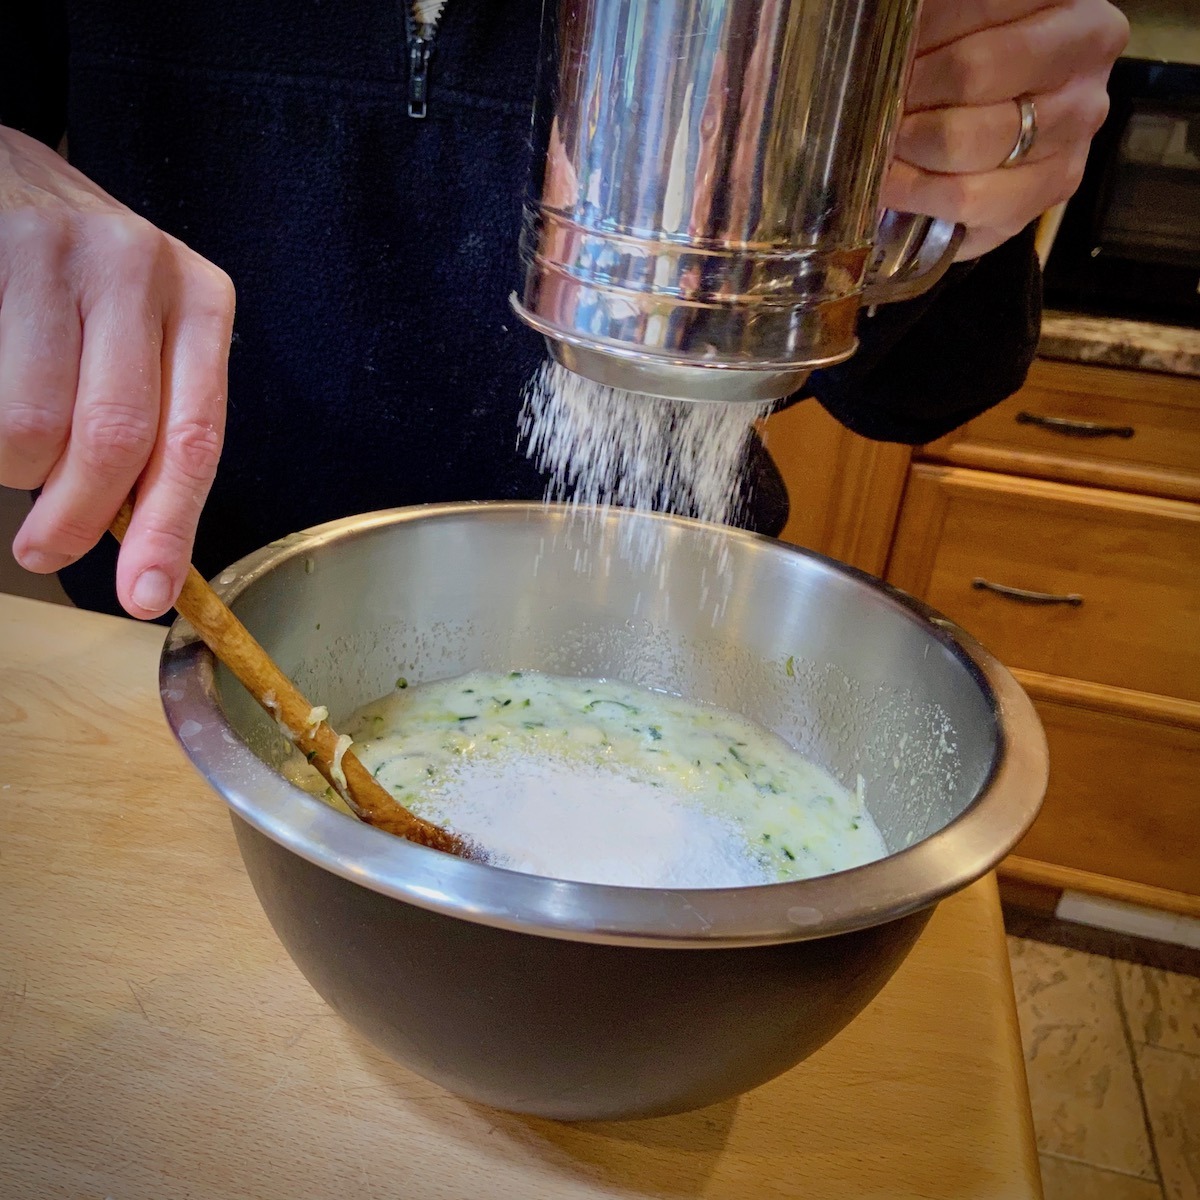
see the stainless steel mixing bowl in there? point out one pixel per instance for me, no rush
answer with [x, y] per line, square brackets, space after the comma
[575, 1000]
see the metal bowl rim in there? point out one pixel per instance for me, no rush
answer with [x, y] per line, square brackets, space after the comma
[906, 881]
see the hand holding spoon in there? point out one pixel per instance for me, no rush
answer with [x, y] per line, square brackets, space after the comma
[254, 668]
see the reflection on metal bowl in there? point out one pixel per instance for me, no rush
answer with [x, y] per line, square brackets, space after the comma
[574, 1000]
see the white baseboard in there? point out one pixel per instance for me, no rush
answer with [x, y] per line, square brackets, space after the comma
[1119, 917]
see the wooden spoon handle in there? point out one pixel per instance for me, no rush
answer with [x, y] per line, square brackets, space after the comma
[254, 668]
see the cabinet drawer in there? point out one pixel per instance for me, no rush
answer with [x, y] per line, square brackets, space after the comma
[1124, 798]
[1097, 425]
[1130, 563]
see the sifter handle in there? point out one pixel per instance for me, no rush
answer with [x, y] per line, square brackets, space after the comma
[912, 253]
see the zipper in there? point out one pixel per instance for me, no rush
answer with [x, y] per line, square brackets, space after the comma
[420, 20]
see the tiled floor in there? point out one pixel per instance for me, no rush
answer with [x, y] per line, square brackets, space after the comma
[1112, 1050]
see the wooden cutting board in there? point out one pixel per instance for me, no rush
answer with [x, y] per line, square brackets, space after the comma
[156, 1041]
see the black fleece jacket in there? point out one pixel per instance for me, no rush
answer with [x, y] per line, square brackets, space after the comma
[375, 361]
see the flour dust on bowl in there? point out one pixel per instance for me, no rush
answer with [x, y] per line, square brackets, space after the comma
[578, 1000]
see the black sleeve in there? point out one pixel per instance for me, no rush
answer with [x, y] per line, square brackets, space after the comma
[33, 68]
[928, 365]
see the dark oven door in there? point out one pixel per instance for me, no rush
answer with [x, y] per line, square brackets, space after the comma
[1129, 244]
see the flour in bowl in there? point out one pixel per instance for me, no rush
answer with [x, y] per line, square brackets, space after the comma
[588, 823]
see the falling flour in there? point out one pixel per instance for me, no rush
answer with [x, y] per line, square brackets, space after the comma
[605, 446]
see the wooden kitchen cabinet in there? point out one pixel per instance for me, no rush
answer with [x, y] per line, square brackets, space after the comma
[1062, 529]
[1132, 430]
[1123, 804]
[1083, 583]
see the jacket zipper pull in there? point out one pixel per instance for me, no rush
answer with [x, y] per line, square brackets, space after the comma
[420, 47]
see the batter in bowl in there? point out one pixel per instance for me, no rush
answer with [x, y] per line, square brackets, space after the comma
[604, 782]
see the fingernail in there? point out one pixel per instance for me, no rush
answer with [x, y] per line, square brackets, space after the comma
[152, 590]
[43, 562]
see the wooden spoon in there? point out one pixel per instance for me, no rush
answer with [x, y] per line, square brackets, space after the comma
[237, 648]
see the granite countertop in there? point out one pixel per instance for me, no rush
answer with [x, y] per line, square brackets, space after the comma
[1111, 341]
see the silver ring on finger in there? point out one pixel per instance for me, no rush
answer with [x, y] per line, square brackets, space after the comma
[1027, 134]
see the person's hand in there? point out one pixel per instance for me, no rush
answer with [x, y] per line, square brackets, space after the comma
[975, 60]
[114, 346]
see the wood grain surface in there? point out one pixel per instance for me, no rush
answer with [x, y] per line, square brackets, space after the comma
[156, 1041]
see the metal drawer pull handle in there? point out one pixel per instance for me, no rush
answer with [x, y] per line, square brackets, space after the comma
[1027, 597]
[1079, 429]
